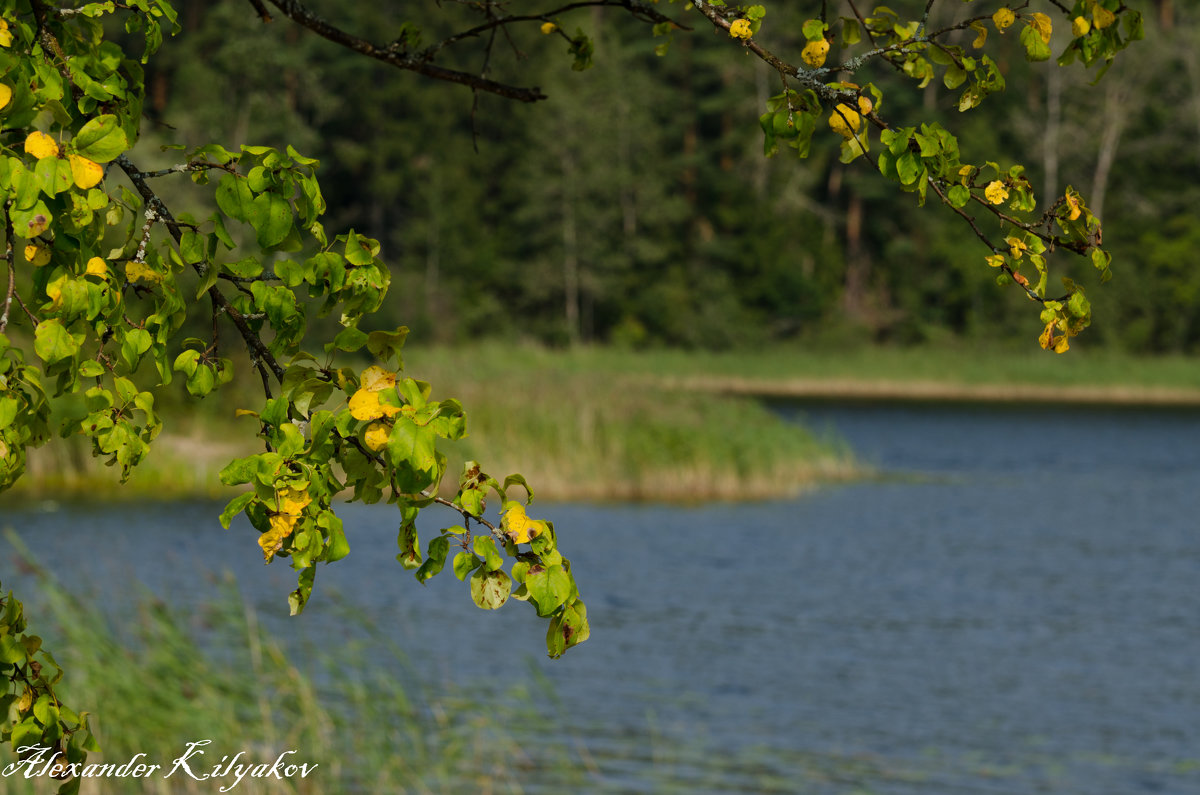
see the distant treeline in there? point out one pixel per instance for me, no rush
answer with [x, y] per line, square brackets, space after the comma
[635, 206]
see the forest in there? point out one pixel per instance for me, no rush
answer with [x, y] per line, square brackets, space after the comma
[636, 208]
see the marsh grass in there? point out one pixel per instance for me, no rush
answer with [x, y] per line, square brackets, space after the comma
[164, 677]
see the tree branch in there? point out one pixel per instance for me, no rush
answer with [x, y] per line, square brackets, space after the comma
[258, 350]
[296, 12]
[12, 268]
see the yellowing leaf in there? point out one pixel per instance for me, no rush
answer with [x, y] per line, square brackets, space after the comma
[1003, 19]
[865, 105]
[41, 145]
[54, 291]
[135, 270]
[995, 260]
[1016, 246]
[87, 173]
[1046, 338]
[995, 192]
[3, 450]
[1080, 26]
[5, 94]
[97, 267]
[965, 173]
[814, 53]
[740, 29]
[548, 28]
[375, 379]
[38, 255]
[844, 120]
[365, 405]
[1061, 345]
[1101, 16]
[271, 541]
[519, 527]
[1041, 23]
[6, 37]
[36, 225]
[377, 435]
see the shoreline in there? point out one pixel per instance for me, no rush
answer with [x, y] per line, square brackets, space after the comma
[926, 391]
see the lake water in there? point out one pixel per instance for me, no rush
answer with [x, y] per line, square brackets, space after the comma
[1011, 606]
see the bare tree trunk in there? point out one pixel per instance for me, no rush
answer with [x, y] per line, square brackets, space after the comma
[1050, 138]
[1115, 112]
[570, 235]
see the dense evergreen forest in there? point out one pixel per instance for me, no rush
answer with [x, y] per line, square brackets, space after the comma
[636, 207]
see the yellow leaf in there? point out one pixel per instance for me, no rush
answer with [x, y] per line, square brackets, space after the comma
[1003, 19]
[844, 120]
[41, 145]
[965, 173]
[995, 192]
[365, 405]
[87, 173]
[375, 379]
[97, 267]
[3, 450]
[549, 27]
[6, 37]
[814, 53]
[5, 95]
[377, 435]
[1101, 16]
[54, 290]
[519, 527]
[1080, 26]
[865, 105]
[981, 39]
[271, 541]
[1061, 345]
[1016, 246]
[292, 501]
[1041, 23]
[740, 29]
[995, 260]
[135, 270]
[38, 255]
[1073, 203]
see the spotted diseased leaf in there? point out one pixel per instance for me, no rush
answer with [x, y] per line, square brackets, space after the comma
[490, 589]
[568, 628]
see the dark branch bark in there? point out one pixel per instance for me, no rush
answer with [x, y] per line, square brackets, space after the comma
[258, 350]
[302, 16]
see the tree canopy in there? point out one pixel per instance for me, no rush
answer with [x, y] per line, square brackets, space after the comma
[122, 277]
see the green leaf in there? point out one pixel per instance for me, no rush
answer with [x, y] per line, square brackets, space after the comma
[336, 547]
[465, 563]
[236, 505]
[485, 547]
[387, 344]
[958, 195]
[439, 548]
[52, 342]
[271, 216]
[548, 587]
[101, 139]
[137, 342]
[235, 200]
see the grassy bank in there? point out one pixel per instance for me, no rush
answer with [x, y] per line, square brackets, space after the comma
[600, 423]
